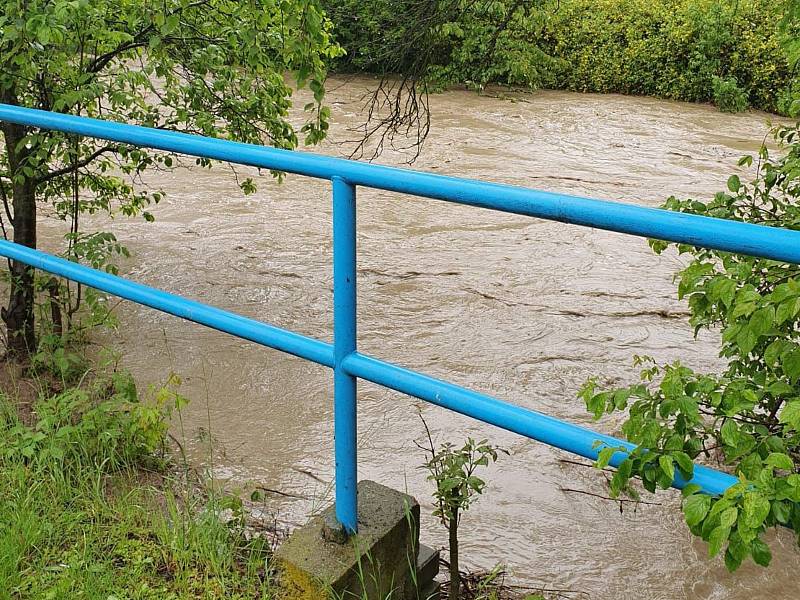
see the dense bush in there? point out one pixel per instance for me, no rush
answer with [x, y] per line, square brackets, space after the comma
[474, 42]
[673, 49]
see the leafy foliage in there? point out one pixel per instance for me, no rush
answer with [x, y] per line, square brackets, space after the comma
[746, 418]
[474, 42]
[663, 48]
[671, 49]
[103, 424]
[457, 487]
[728, 96]
[85, 509]
[453, 471]
[212, 67]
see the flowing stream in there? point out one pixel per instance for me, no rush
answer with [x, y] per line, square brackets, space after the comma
[519, 308]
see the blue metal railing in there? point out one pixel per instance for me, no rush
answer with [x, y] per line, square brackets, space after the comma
[342, 356]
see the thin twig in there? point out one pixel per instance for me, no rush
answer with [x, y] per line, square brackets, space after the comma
[602, 497]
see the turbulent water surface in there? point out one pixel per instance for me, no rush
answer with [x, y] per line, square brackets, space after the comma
[520, 308]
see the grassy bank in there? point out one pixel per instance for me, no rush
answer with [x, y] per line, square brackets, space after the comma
[89, 507]
[92, 507]
[728, 52]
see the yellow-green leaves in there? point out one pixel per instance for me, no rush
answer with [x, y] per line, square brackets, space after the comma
[719, 535]
[779, 460]
[695, 508]
[756, 509]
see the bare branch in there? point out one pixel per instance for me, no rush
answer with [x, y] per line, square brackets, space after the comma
[602, 497]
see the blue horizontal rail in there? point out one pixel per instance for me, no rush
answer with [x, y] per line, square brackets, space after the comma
[719, 234]
[215, 318]
[342, 356]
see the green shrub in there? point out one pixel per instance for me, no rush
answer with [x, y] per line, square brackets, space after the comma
[671, 49]
[746, 415]
[728, 96]
[87, 509]
[104, 423]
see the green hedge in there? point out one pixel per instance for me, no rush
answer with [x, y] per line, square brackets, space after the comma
[671, 49]
[723, 51]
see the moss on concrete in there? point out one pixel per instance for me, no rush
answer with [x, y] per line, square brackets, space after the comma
[374, 563]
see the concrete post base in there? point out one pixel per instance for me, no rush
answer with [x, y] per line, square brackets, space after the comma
[378, 563]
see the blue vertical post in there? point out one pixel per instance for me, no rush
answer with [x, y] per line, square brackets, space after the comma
[344, 342]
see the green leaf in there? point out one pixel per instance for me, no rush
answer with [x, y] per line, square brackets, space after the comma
[762, 320]
[790, 362]
[782, 512]
[746, 339]
[624, 470]
[742, 309]
[690, 489]
[793, 483]
[724, 289]
[734, 183]
[780, 461]
[728, 516]
[170, 24]
[43, 34]
[695, 508]
[667, 466]
[790, 414]
[717, 538]
[756, 508]
[730, 433]
[785, 311]
[736, 552]
[732, 562]
[605, 455]
[761, 553]
[685, 464]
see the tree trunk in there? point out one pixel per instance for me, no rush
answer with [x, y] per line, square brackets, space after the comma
[19, 316]
[455, 576]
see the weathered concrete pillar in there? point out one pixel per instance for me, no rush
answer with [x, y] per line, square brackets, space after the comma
[380, 560]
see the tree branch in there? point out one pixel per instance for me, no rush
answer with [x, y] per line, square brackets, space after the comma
[602, 497]
[140, 40]
[4, 195]
[101, 62]
[78, 165]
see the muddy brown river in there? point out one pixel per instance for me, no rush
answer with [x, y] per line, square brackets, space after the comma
[519, 308]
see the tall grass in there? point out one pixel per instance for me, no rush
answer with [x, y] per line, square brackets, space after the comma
[89, 509]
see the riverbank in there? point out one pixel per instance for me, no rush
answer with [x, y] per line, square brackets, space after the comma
[91, 506]
[729, 53]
